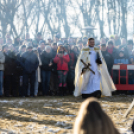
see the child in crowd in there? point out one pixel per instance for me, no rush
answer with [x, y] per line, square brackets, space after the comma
[121, 59]
[62, 59]
[92, 119]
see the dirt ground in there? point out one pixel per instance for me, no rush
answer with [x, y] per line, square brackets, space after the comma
[56, 115]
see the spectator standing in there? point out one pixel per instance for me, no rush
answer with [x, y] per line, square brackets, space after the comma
[54, 75]
[2, 61]
[92, 119]
[41, 46]
[128, 49]
[11, 87]
[71, 72]
[30, 63]
[38, 37]
[62, 59]
[111, 49]
[46, 58]
[108, 57]
[117, 41]
[38, 77]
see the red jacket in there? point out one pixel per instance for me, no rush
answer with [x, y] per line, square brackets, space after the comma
[62, 62]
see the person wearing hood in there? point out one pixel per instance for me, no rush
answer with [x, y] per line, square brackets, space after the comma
[30, 63]
[46, 58]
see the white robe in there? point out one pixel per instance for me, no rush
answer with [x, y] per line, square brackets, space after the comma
[94, 80]
[82, 82]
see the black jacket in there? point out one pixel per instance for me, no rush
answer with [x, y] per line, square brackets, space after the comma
[109, 60]
[46, 59]
[10, 63]
[29, 61]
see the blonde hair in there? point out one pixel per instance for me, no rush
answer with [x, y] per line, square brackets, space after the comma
[92, 119]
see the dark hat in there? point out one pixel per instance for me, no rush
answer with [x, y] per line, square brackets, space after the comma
[39, 34]
[130, 42]
[41, 41]
[53, 44]
[121, 51]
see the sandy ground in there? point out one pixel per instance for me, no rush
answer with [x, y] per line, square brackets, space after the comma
[56, 115]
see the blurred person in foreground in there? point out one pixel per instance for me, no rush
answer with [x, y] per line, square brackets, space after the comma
[30, 63]
[92, 119]
[41, 46]
[88, 82]
[71, 66]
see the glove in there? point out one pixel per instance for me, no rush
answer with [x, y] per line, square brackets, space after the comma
[98, 60]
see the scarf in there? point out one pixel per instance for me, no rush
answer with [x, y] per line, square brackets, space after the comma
[110, 50]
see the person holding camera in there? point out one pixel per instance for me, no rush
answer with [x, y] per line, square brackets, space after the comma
[62, 59]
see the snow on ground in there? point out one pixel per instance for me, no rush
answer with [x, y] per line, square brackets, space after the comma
[56, 115]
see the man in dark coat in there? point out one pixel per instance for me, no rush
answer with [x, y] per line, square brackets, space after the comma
[46, 58]
[54, 75]
[30, 63]
[10, 83]
[108, 57]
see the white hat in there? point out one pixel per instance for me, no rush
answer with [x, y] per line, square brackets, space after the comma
[59, 43]
[34, 49]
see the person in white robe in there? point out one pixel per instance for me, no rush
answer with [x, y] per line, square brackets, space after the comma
[88, 84]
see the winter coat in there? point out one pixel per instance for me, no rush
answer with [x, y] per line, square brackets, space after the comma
[19, 67]
[62, 62]
[126, 51]
[114, 53]
[46, 59]
[10, 63]
[108, 59]
[2, 60]
[29, 62]
[54, 65]
[73, 60]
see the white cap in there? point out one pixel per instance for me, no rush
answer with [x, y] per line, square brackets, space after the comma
[59, 43]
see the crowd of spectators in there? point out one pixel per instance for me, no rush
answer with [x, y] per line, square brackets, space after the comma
[32, 67]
